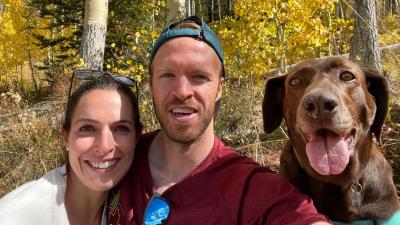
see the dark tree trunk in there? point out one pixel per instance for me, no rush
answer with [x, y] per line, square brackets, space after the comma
[364, 48]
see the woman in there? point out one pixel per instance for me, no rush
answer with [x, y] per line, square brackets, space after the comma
[100, 131]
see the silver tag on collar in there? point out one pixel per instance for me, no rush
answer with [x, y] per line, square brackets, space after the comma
[356, 190]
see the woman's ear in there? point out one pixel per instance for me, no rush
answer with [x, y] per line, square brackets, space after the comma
[64, 135]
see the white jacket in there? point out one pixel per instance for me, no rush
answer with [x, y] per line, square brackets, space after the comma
[39, 202]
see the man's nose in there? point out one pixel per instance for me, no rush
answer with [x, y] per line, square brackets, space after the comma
[183, 88]
[105, 142]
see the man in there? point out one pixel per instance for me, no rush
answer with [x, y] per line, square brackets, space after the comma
[183, 174]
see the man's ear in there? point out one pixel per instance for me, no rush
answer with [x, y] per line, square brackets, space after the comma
[378, 87]
[220, 86]
[273, 103]
[151, 83]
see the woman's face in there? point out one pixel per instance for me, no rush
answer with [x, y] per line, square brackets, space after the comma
[102, 138]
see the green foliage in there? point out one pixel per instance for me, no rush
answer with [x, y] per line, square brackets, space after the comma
[137, 23]
[135, 26]
[63, 21]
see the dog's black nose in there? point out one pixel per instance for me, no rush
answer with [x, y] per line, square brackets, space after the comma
[320, 105]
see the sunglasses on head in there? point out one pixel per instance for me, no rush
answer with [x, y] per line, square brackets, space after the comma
[157, 211]
[88, 74]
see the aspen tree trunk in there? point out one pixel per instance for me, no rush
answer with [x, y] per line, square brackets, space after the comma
[188, 8]
[364, 43]
[176, 10]
[230, 7]
[211, 11]
[94, 33]
[219, 11]
[339, 12]
[193, 5]
[200, 9]
[396, 7]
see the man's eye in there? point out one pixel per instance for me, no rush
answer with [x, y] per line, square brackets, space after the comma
[200, 77]
[87, 128]
[166, 75]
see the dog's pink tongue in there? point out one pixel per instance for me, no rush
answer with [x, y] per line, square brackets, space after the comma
[328, 155]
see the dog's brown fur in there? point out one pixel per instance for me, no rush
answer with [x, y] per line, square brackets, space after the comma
[359, 109]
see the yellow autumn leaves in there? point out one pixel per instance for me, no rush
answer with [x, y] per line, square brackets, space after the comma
[264, 34]
[260, 36]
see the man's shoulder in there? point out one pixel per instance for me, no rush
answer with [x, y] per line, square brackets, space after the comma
[227, 153]
[232, 163]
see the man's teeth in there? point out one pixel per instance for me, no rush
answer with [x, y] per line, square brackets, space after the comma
[182, 110]
[103, 165]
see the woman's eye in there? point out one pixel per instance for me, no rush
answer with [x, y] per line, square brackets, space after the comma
[122, 128]
[347, 76]
[294, 81]
[87, 128]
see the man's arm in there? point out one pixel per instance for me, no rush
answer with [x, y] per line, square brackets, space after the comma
[272, 200]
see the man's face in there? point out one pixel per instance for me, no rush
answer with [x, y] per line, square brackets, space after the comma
[186, 84]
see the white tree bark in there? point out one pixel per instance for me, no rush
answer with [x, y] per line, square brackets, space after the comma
[364, 48]
[176, 10]
[94, 33]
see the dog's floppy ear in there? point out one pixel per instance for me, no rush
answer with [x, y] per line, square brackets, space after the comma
[378, 87]
[273, 102]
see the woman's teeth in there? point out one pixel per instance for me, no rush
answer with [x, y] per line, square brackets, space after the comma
[103, 165]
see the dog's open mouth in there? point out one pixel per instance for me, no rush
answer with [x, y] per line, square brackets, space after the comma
[328, 151]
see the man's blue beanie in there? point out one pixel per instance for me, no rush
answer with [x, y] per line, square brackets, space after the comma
[204, 33]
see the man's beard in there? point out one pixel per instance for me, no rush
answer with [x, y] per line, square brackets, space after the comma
[185, 135]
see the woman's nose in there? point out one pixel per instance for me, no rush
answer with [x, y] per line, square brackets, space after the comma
[105, 142]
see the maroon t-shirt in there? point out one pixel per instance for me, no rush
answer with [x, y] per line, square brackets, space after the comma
[226, 188]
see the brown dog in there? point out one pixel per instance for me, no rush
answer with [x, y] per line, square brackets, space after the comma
[332, 108]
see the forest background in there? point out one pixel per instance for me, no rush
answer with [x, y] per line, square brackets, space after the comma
[40, 47]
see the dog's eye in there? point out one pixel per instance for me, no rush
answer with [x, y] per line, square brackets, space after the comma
[347, 76]
[294, 81]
